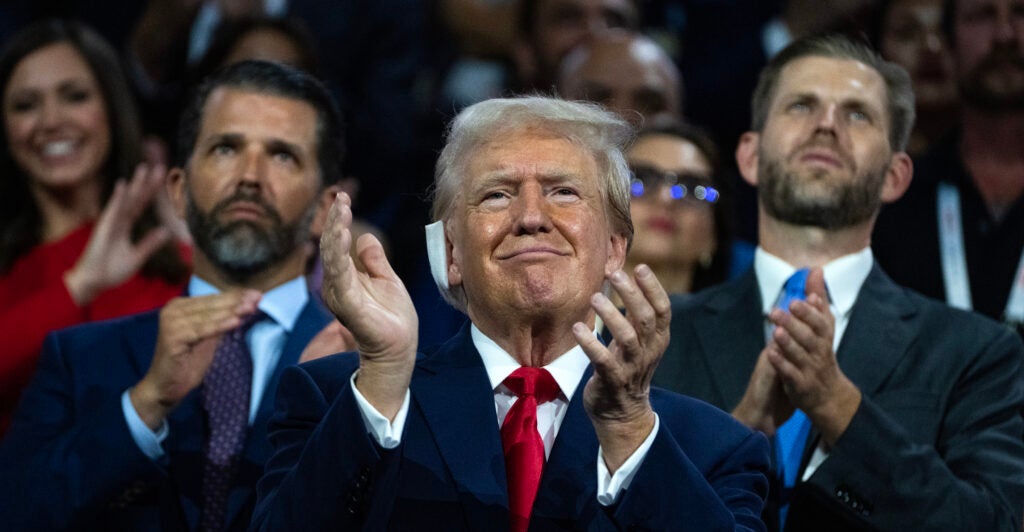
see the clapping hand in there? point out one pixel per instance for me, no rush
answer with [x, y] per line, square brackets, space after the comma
[617, 396]
[374, 305]
[111, 257]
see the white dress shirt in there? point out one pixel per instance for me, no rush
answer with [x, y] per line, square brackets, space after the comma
[567, 370]
[844, 278]
[266, 338]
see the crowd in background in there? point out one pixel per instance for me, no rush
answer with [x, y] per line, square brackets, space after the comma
[92, 94]
[401, 69]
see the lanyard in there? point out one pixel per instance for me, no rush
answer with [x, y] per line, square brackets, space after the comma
[954, 259]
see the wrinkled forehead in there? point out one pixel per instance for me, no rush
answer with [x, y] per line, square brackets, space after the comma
[831, 79]
[530, 151]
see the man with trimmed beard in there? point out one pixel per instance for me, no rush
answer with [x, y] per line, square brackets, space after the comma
[158, 420]
[957, 234]
[887, 410]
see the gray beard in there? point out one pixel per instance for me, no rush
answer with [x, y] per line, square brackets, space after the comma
[848, 205]
[242, 249]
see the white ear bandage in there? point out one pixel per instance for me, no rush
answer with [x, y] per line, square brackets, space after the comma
[437, 254]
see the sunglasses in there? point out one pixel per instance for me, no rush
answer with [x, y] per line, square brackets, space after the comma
[681, 187]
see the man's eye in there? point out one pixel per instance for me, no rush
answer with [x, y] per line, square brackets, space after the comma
[223, 149]
[285, 157]
[800, 107]
[859, 116]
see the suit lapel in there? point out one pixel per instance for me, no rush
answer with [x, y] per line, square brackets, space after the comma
[569, 483]
[878, 334]
[876, 339]
[723, 329]
[452, 391]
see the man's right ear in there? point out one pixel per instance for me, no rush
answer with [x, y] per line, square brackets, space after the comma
[176, 190]
[747, 156]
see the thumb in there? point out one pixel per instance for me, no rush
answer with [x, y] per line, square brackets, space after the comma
[371, 254]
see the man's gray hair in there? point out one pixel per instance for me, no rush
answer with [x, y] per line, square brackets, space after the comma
[592, 128]
[898, 88]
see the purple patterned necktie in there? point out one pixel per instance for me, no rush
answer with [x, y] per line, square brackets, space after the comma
[225, 397]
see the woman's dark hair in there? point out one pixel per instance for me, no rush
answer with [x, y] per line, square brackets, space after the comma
[21, 221]
[723, 210]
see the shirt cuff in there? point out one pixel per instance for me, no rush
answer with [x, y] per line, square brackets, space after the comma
[610, 487]
[149, 442]
[817, 458]
[386, 433]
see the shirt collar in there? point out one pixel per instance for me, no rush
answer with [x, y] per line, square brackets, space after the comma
[843, 277]
[283, 303]
[567, 369]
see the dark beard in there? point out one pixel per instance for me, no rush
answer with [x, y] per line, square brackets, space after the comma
[849, 204]
[242, 249]
[976, 89]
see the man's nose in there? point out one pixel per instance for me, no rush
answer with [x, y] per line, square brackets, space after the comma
[253, 169]
[826, 120]
[531, 211]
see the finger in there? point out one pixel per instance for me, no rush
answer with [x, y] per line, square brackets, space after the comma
[784, 368]
[114, 207]
[149, 243]
[371, 253]
[621, 327]
[336, 240]
[656, 295]
[598, 354]
[145, 184]
[236, 302]
[816, 315]
[196, 326]
[796, 338]
[788, 347]
[816, 283]
[638, 309]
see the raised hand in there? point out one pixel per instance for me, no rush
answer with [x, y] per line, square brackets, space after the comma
[190, 328]
[111, 257]
[374, 305]
[807, 365]
[617, 396]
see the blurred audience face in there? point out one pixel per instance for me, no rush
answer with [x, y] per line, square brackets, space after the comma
[989, 52]
[252, 182]
[627, 73]
[824, 151]
[266, 44]
[559, 25]
[912, 37]
[672, 227]
[55, 118]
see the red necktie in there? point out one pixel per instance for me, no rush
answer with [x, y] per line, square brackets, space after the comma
[524, 448]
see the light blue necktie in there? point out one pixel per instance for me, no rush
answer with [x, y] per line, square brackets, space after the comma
[791, 436]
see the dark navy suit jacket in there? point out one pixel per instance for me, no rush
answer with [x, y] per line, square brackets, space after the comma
[938, 440]
[703, 472]
[69, 460]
